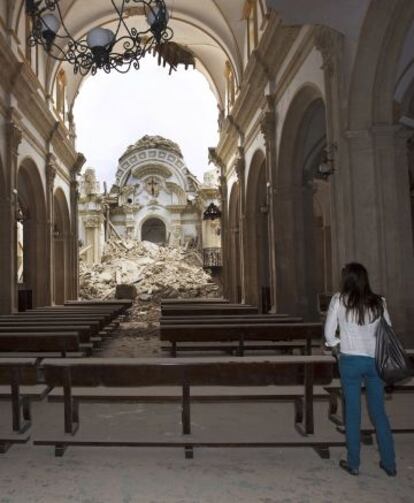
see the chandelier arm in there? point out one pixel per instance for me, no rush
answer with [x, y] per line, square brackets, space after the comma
[63, 25]
[121, 18]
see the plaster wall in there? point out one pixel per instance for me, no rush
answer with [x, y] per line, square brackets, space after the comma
[257, 144]
[310, 73]
[346, 17]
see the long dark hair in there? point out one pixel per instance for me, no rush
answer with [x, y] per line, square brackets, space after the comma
[357, 296]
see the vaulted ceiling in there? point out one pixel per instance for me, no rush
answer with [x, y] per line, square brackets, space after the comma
[212, 29]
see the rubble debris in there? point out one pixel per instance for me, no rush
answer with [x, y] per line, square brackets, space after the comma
[154, 271]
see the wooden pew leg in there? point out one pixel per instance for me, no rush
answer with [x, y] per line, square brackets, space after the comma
[186, 419]
[322, 452]
[298, 411]
[188, 452]
[333, 409]
[4, 447]
[71, 407]
[60, 450]
[20, 406]
[307, 427]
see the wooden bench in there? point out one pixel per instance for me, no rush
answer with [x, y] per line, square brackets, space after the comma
[196, 300]
[61, 342]
[124, 304]
[229, 319]
[233, 348]
[105, 379]
[18, 383]
[241, 333]
[102, 321]
[367, 430]
[208, 310]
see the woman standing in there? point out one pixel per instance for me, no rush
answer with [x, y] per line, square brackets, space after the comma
[357, 311]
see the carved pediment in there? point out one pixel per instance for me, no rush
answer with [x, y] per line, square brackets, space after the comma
[148, 170]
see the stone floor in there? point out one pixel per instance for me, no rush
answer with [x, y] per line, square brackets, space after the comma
[161, 475]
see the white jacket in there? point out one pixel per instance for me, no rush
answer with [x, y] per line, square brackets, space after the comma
[354, 339]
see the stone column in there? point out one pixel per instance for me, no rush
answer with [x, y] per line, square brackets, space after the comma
[240, 168]
[330, 44]
[8, 207]
[73, 290]
[225, 235]
[381, 221]
[51, 170]
[268, 128]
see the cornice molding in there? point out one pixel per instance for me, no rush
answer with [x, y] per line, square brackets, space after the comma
[261, 69]
[18, 79]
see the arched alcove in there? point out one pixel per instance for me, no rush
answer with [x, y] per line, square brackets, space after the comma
[61, 248]
[154, 230]
[303, 208]
[234, 243]
[257, 220]
[32, 203]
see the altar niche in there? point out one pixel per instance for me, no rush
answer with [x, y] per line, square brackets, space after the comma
[154, 230]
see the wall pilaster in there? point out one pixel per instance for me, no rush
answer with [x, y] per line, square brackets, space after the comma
[8, 207]
[73, 290]
[240, 168]
[51, 170]
[268, 128]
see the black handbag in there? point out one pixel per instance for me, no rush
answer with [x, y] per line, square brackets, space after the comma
[392, 362]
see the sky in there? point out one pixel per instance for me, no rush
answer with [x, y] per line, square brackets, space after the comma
[113, 111]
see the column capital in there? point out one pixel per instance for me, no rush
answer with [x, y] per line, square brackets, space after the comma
[14, 135]
[240, 164]
[77, 166]
[268, 121]
[51, 170]
[328, 42]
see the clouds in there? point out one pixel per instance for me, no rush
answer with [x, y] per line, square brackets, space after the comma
[114, 111]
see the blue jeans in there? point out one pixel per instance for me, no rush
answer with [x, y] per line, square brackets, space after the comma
[354, 370]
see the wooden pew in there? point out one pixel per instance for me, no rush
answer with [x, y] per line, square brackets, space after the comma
[229, 319]
[83, 331]
[208, 310]
[241, 333]
[18, 383]
[102, 320]
[336, 398]
[103, 379]
[196, 300]
[124, 304]
[40, 342]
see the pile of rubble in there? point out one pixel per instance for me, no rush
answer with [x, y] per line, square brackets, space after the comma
[155, 271]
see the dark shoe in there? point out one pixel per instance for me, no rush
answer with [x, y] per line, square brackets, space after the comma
[390, 473]
[344, 465]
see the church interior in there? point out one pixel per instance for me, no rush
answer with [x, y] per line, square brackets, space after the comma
[314, 169]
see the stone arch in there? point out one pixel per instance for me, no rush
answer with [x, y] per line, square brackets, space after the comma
[375, 65]
[32, 201]
[303, 236]
[257, 239]
[153, 229]
[61, 248]
[234, 242]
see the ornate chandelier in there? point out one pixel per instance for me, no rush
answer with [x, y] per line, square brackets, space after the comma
[100, 48]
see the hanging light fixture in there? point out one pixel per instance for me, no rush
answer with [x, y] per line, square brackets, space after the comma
[101, 48]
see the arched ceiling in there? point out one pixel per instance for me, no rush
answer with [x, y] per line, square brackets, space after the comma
[212, 29]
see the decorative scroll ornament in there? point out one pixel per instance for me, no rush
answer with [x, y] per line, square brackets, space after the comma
[101, 48]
